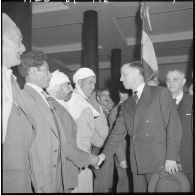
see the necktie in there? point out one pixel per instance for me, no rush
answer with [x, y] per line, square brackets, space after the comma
[135, 96]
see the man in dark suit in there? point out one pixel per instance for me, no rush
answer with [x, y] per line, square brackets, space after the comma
[175, 80]
[18, 132]
[151, 119]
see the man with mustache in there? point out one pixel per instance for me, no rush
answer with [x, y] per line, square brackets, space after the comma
[73, 158]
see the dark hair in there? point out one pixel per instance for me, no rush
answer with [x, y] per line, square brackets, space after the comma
[100, 91]
[137, 65]
[31, 59]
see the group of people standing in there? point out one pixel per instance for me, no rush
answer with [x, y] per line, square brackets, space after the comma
[60, 139]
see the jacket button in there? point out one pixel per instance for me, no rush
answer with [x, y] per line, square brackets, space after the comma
[55, 150]
[147, 121]
[54, 166]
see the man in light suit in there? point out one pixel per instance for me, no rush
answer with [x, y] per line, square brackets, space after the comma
[151, 119]
[18, 132]
[45, 150]
[175, 80]
[73, 158]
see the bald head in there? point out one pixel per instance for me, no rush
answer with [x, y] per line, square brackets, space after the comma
[9, 27]
[12, 42]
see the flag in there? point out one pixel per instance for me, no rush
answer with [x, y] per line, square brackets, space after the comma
[148, 56]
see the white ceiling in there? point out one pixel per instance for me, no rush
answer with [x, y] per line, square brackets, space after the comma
[57, 27]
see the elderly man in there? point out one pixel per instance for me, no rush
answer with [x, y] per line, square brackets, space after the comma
[151, 119]
[73, 158]
[176, 80]
[84, 113]
[17, 132]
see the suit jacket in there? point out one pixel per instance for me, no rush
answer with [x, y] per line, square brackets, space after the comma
[72, 157]
[17, 170]
[45, 148]
[154, 127]
[185, 110]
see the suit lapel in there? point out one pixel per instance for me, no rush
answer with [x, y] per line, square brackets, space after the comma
[43, 108]
[142, 104]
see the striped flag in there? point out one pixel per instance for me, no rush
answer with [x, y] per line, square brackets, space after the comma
[148, 56]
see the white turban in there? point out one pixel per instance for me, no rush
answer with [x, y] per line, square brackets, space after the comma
[57, 78]
[82, 73]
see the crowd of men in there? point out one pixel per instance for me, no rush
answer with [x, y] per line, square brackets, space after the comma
[60, 139]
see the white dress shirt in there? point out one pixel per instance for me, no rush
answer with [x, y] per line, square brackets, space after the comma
[178, 98]
[7, 97]
[139, 90]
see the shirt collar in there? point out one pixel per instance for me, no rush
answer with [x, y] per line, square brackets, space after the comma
[140, 90]
[38, 90]
[178, 98]
[35, 87]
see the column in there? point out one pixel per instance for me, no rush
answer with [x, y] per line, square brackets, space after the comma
[21, 14]
[115, 73]
[90, 42]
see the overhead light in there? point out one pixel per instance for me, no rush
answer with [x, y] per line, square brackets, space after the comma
[42, 7]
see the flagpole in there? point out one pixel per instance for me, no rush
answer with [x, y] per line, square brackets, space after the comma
[142, 18]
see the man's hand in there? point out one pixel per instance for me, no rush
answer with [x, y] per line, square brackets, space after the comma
[123, 164]
[93, 160]
[171, 166]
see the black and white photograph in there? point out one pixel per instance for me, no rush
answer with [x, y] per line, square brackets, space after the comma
[96, 96]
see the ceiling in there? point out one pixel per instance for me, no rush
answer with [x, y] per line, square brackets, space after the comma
[57, 30]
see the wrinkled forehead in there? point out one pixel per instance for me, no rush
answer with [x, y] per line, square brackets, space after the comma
[175, 74]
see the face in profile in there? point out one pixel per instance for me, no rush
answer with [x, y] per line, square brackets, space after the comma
[42, 75]
[12, 48]
[65, 91]
[128, 76]
[87, 85]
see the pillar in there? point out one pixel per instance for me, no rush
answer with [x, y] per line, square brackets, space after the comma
[21, 14]
[90, 42]
[115, 73]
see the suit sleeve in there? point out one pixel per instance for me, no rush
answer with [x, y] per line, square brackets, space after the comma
[117, 135]
[69, 146]
[172, 125]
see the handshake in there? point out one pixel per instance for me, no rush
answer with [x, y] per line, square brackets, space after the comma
[95, 160]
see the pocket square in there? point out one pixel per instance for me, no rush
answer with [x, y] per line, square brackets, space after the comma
[188, 114]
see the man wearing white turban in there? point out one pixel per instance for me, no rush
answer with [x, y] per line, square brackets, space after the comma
[73, 158]
[84, 113]
[17, 128]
